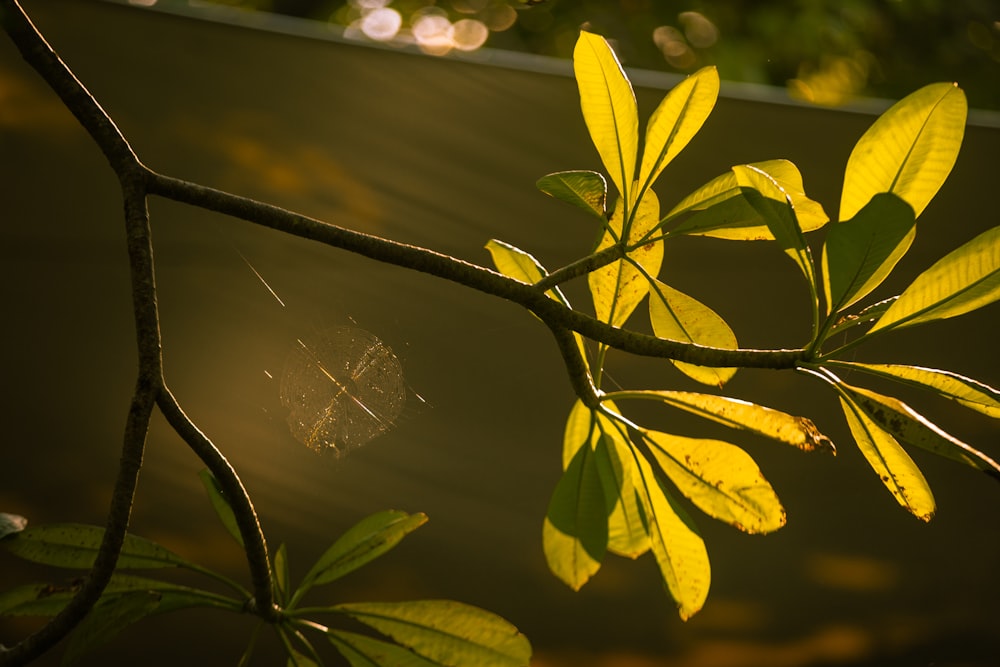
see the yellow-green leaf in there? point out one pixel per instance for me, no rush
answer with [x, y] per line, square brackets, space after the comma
[516, 263]
[619, 287]
[909, 151]
[678, 548]
[676, 120]
[677, 316]
[365, 651]
[911, 428]
[962, 281]
[720, 478]
[719, 209]
[890, 462]
[609, 108]
[798, 432]
[586, 189]
[968, 392]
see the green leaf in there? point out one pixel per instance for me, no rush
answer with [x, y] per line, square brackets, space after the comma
[911, 428]
[281, 576]
[609, 109]
[894, 466]
[866, 315]
[365, 541]
[775, 207]
[962, 281]
[675, 122]
[678, 548]
[720, 478]
[861, 252]
[75, 546]
[107, 619]
[619, 287]
[446, 632]
[677, 316]
[516, 263]
[586, 189]
[968, 392]
[575, 531]
[364, 651]
[11, 524]
[798, 432]
[909, 151]
[221, 504]
[719, 209]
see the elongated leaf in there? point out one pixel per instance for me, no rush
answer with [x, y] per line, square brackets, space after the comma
[894, 466]
[775, 207]
[619, 287]
[962, 281]
[575, 531]
[586, 189]
[446, 632]
[720, 210]
[971, 393]
[364, 651]
[675, 122]
[609, 109]
[720, 478]
[909, 151]
[678, 548]
[11, 524]
[366, 540]
[866, 315]
[107, 619]
[798, 432]
[677, 316]
[75, 546]
[911, 428]
[281, 575]
[516, 263]
[221, 504]
[861, 252]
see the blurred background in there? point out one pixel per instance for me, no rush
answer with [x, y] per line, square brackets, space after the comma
[443, 152]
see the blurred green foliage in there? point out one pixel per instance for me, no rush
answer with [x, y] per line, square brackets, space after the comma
[825, 51]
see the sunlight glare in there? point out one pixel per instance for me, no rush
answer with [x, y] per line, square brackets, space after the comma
[381, 24]
[469, 34]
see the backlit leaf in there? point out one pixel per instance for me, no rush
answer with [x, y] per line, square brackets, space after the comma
[864, 316]
[364, 651]
[909, 151]
[678, 548]
[586, 189]
[894, 466]
[609, 108]
[676, 120]
[281, 575]
[446, 632]
[720, 210]
[575, 532]
[220, 504]
[76, 545]
[720, 478]
[962, 281]
[619, 287]
[107, 619]
[516, 263]
[861, 252]
[971, 393]
[911, 428]
[677, 316]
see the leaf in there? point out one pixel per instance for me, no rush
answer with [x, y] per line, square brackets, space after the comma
[365, 541]
[575, 531]
[677, 316]
[281, 576]
[11, 524]
[968, 392]
[775, 207]
[909, 151]
[798, 432]
[364, 651]
[678, 548]
[107, 619]
[866, 315]
[517, 264]
[75, 546]
[720, 210]
[446, 632]
[911, 428]
[962, 281]
[586, 189]
[675, 122]
[619, 287]
[720, 478]
[221, 504]
[609, 109]
[861, 252]
[894, 467]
